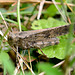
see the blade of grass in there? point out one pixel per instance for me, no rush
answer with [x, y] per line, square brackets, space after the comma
[18, 14]
[9, 20]
[23, 12]
[65, 11]
[4, 20]
[63, 16]
[70, 36]
[40, 8]
[23, 60]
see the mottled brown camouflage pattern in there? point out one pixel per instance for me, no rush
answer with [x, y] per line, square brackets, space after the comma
[37, 38]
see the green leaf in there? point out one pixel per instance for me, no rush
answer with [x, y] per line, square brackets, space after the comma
[49, 23]
[47, 68]
[58, 51]
[4, 58]
[52, 10]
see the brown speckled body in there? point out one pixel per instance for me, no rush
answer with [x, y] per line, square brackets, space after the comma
[37, 38]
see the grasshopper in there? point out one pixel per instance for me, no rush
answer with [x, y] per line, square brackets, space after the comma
[37, 38]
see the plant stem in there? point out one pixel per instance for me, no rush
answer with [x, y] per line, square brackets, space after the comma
[18, 14]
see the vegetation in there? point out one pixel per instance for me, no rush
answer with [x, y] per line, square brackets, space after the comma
[58, 59]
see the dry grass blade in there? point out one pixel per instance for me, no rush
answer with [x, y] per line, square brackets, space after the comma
[32, 1]
[23, 60]
[40, 8]
[5, 37]
[29, 58]
[4, 20]
[20, 61]
[63, 16]
[60, 63]
[17, 68]
[21, 64]
[70, 8]
[65, 12]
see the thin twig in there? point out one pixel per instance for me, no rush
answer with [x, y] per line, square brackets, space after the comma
[40, 8]
[18, 66]
[66, 14]
[70, 8]
[29, 58]
[63, 16]
[20, 61]
[60, 63]
[48, 2]
[1, 33]
[23, 60]
[16, 69]
[21, 64]
[33, 1]
[4, 20]
[41, 51]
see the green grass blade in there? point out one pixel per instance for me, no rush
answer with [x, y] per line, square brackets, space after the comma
[18, 14]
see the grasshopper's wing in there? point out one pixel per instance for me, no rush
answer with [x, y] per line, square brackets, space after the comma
[26, 40]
